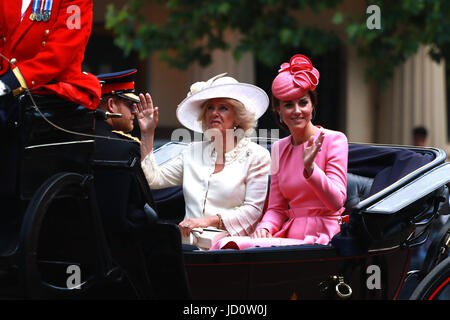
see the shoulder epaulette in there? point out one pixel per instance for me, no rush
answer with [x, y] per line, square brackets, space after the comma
[127, 135]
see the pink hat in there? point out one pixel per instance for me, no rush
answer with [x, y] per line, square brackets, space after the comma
[295, 78]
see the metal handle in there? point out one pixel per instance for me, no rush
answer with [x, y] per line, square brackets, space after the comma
[343, 290]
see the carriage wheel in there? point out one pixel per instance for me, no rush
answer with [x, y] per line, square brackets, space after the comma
[438, 250]
[436, 285]
[61, 232]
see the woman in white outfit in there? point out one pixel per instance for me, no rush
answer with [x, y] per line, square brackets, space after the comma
[224, 178]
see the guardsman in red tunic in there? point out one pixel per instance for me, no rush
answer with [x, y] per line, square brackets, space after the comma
[42, 45]
[45, 41]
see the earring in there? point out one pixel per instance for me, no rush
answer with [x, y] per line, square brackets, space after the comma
[281, 119]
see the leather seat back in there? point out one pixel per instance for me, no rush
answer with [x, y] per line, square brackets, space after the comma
[358, 189]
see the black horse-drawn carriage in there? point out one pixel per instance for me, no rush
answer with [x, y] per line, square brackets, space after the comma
[56, 239]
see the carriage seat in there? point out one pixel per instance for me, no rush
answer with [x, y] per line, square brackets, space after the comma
[358, 189]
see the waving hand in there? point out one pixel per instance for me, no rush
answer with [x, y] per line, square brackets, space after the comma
[310, 152]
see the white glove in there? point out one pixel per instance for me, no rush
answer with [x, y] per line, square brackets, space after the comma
[4, 89]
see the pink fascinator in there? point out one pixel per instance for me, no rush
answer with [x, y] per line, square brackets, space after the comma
[295, 78]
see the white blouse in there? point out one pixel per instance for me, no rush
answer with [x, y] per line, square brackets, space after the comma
[237, 193]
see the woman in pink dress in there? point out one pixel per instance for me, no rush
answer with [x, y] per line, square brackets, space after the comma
[308, 172]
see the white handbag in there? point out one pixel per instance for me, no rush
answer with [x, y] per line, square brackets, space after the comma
[204, 238]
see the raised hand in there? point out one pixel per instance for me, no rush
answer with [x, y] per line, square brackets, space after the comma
[310, 152]
[147, 117]
[146, 114]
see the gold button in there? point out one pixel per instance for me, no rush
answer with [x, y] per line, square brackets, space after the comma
[47, 32]
[4, 39]
[13, 60]
[43, 43]
[32, 83]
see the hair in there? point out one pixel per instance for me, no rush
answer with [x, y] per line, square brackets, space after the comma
[276, 103]
[420, 131]
[104, 100]
[245, 119]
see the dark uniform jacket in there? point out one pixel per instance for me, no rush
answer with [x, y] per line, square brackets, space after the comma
[119, 196]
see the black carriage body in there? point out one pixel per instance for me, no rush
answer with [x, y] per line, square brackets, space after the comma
[42, 150]
[49, 220]
[298, 272]
[371, 254]
[47, 149]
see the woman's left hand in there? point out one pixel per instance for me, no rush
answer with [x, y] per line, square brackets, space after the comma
[146, 114]
[187, 225]
[310, 152]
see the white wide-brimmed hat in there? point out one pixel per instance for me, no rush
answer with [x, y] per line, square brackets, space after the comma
[254, 99]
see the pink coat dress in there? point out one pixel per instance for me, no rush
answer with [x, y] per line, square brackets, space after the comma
[302, 210]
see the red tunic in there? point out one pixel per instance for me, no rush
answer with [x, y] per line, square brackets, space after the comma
[49, 54]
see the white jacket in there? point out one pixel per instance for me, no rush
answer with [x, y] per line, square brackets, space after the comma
[237, 193]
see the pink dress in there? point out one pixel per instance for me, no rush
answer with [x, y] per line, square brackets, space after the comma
[300, 210]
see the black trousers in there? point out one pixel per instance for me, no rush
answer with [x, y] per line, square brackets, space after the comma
[10, 145]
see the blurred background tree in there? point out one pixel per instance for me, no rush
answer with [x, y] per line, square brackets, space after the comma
[269, 30]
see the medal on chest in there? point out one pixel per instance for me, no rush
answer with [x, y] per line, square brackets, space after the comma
[42, 10]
